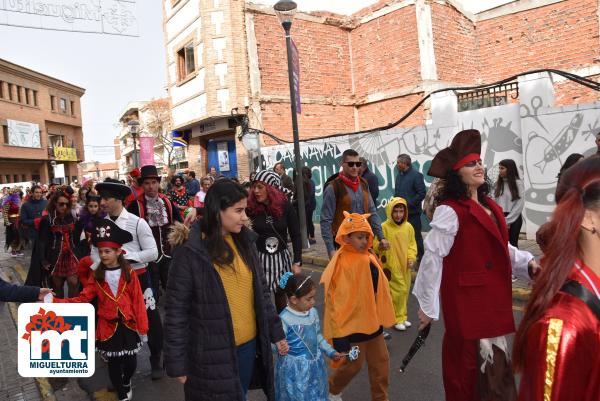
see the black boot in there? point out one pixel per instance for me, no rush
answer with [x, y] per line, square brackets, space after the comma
[156, 367]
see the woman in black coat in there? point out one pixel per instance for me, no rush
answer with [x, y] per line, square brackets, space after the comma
[215, 286]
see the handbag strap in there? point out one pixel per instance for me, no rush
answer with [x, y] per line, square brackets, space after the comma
[575, 289]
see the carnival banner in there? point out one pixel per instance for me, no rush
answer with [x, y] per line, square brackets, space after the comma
[146, 150]
[65, 154]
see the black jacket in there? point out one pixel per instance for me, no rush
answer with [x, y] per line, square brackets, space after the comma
[373, 184]
[199, 340]
[30, 211]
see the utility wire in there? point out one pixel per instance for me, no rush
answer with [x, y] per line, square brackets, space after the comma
[570, 76]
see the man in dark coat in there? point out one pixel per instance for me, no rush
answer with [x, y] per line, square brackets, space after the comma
[371, 178]
[31, 210]
[411, 186]
[200, 346]
[286, 180]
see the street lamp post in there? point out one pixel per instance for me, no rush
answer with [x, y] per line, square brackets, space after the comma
[285, 10]
[134, 127]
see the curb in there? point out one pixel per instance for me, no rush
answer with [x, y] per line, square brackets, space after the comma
[44, 385]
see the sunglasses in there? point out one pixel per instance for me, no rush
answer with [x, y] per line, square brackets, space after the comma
[474, 163]
[352, 164]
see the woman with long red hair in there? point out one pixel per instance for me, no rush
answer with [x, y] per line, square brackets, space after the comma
[557, 346]
[273, 218]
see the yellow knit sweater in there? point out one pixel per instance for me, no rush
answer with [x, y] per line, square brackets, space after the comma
[237, 280]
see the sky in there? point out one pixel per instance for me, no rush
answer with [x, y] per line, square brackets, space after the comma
[115, 70]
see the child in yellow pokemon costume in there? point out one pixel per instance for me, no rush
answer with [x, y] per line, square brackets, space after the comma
[357, 307]
[400, 257]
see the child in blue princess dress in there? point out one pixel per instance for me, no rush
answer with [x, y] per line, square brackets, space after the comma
[301, 375]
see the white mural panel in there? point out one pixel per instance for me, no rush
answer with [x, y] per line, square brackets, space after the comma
[536, 135]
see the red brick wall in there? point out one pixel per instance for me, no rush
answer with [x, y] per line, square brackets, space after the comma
[562, 36]
[569, 92]
[324, 58]
[454, 44]
[382, 113]
[316, 120]
[385, 53]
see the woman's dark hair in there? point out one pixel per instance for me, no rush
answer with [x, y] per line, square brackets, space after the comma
[177, 177]
[571, 160]
[512, 175]
[577, 192]
[306, 172]
[297, 285]
[51, 208]
[99, 273]
[455, 188]
[223, 194]
[89, 197]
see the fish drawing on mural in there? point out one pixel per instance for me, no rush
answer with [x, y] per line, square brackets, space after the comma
[561, 142]
[499, 138]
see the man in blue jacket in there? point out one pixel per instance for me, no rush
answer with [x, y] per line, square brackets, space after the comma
[411, 186]
[31, 210]
[371, 178]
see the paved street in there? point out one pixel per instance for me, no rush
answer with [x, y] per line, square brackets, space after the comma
[421, 381]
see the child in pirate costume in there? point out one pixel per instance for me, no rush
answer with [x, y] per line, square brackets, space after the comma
[121, 312]
[357, 307]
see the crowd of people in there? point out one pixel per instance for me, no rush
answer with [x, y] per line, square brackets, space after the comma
[239, 310]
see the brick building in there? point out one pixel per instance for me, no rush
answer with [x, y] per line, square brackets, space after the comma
[365, 69]
[40, 118]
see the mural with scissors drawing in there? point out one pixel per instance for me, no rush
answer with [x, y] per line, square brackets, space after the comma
[536, 135]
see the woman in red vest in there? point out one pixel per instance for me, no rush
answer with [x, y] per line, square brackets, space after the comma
[557, 347]
[467, 265]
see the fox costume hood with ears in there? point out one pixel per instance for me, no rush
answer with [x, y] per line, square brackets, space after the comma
[351, 305]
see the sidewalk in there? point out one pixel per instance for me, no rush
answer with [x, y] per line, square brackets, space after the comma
[13, 387]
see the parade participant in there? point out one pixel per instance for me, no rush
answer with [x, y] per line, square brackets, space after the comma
[273, 218]
[84, 226]
[467, 262]
[205, 184]
[32, 210]
[192, 186]
[357, 307]
[508, 194]
[286, 181]
[160, 214]
[557, 346]
[141, 251]
[135, 187]
[301, 375]
[411, 186]
[310, 205]
[217, 286]
[121, 313]
[55, 252]
[10, 211]
[347, 192]
[400, 258]
[179, 196]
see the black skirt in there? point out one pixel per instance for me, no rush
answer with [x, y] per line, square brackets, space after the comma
[124, 342]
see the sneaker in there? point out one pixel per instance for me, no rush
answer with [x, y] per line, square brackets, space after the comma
[20, 254]
[400, 327]
[386, 335]
[13, 254]
[407, 324]
[335, 397]
[513, 278]
[129, 389]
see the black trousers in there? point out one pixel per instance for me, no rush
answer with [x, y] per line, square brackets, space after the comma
[415, 221]
[155, 329]
[514, 229]
[159, 272]
[310, 226]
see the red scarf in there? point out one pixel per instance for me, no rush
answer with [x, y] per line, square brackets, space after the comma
[352, 183]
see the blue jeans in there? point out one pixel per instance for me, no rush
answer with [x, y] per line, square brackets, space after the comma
[246, 353]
